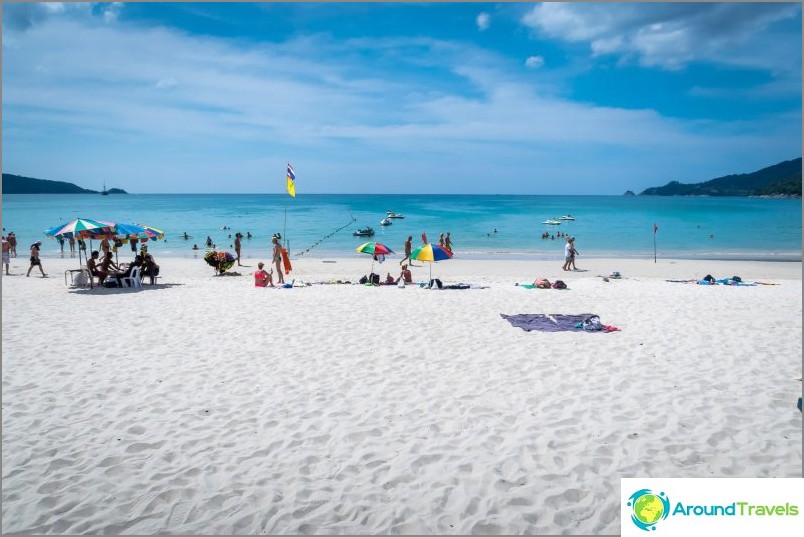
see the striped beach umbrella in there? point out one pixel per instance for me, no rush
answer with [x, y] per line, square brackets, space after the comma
[78, 228]
[375, 249]
[430, 253]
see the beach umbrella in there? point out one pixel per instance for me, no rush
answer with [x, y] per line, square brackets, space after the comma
[430, 253]
[126, 231]
[80, 228]
[375, 249]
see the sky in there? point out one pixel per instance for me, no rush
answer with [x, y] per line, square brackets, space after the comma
[468, 98]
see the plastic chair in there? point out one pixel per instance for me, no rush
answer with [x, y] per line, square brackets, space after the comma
[134, 280]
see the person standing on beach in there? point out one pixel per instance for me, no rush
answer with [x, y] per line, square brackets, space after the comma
[448, 242]
[573, 252]
[6, 253]
[35, 261]
[71, 240]
[567, 254]
[408, 246]
[61, 243]
[237, 247]
[12, 241]
[441, 240]
[104, 246]
[277, 258]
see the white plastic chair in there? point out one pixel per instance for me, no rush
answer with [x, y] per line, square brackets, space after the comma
[133, 280]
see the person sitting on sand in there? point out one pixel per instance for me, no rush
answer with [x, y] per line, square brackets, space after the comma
[405, 276]
[389, 280]
[262, 278]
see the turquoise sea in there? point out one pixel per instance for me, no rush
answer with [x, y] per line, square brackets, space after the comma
[605, 226]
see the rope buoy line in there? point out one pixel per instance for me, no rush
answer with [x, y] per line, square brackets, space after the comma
[325, 237]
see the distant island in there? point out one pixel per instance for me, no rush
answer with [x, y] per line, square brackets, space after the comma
[18, 184]
[783, 179]
[629, 193]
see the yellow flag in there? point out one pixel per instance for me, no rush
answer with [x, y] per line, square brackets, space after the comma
[290, 178]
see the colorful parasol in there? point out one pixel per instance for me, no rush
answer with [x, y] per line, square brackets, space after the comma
[375, 249]
[78, 228]
[430, 253]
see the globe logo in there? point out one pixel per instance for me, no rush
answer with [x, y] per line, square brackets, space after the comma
[648, 508]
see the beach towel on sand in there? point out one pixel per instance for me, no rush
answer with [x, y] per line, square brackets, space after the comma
[541, 322]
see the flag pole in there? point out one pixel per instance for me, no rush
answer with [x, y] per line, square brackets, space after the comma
[654, 242]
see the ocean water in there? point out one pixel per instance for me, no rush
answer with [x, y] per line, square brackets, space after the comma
[605, 226]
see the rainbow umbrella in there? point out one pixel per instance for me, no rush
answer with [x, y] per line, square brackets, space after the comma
[375, 249]
[78, 228]
[430, 253]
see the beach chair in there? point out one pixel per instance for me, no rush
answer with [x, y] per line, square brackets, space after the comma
[135, 280]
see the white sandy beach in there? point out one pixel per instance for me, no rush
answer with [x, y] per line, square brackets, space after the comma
[205, 405]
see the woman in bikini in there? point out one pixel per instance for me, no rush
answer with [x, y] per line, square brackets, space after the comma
[278, 259]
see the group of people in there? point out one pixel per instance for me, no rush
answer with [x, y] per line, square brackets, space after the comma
[106, 269]
[547, 235]
[263, 278]
[10, 248]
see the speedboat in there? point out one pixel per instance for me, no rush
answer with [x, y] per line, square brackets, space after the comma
[365, 232]
[552, 222]
[567, 217]
[392, 214]
[385, 222]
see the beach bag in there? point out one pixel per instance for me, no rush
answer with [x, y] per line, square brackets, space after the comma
[374, 278]
[401, 283]
[543, 283]
[558, 284]
[709, 278]
[736, 279]
[435, 283]
[592, 324]
[80, 279]
[363, 280]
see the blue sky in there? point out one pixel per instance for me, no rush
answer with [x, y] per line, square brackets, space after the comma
[552, 98]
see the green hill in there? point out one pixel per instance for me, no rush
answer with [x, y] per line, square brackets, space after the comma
[778, 179]
[18, 184]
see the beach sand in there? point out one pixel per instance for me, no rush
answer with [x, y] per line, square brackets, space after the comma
[205, 405]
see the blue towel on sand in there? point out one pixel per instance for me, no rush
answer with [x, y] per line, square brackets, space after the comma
[554, 322]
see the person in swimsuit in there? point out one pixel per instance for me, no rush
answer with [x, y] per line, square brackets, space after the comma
[407, 249]
[237, 246]
[277, 258]
[12, 241]
[71, 240]
[262, 278]
[35, 261]
[567, 254]
[448, 242]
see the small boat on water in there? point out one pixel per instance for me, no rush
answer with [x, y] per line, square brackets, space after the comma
[385, 222]
[104, 192]
[567, 217]
[392, 214]
[552, 222]
[365, 232]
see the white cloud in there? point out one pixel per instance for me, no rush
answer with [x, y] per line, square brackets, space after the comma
[167, 83]
[112, 12]
[483, 21]
[669, 35]
[534, 62]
